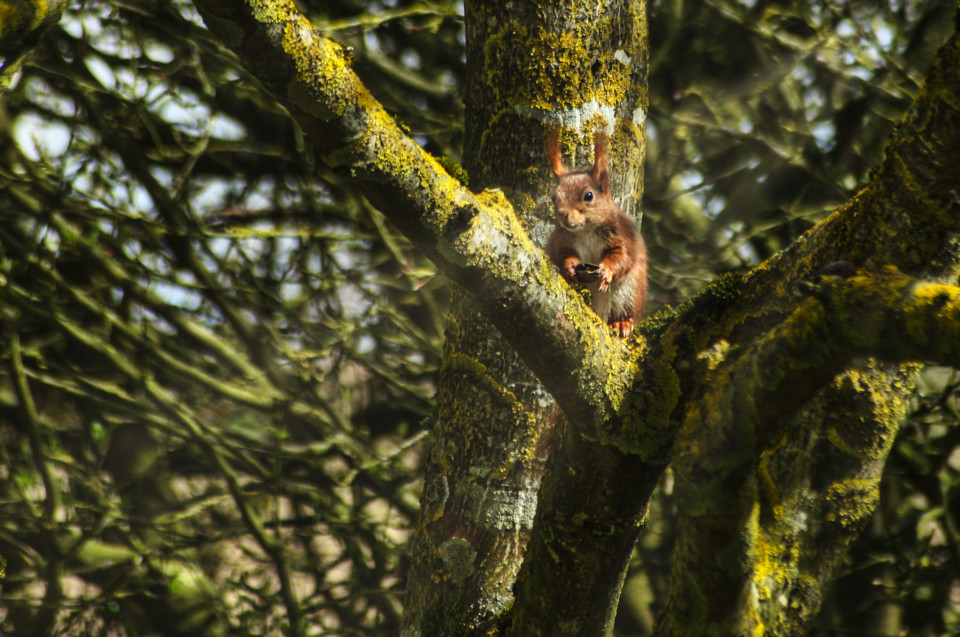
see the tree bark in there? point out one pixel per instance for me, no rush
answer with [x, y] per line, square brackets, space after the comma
[480, 494]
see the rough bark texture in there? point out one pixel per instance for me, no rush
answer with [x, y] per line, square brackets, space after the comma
[487, 395]
[769, 500]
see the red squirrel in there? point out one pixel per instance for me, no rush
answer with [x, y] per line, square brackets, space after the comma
[594, 242]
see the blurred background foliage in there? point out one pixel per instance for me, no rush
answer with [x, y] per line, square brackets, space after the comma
[217, 360]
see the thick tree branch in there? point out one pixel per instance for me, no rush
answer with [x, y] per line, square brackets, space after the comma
[909, 214]
[884, 314]
[723, 484]
[887, 315]
[749, 393]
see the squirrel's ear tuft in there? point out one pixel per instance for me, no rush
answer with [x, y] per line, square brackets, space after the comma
[600, 173]
[553, 152]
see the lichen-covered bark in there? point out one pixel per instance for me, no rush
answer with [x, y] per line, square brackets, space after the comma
[493, 432]
[767, 391]
[751, 506]
[796, 488]
[573, 64]
[516, 53]
[477, 240]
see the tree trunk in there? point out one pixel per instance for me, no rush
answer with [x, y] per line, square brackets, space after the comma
[528, 70]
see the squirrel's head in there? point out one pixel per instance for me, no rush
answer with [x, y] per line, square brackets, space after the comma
[582, 196]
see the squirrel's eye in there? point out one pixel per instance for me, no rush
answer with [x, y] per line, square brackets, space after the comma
[588, 196]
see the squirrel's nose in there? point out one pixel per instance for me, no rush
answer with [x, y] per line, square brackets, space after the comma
[566, 221]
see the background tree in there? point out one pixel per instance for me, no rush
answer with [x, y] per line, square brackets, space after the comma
[218, 355]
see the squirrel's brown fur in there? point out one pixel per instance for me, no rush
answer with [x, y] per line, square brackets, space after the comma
[594, 242]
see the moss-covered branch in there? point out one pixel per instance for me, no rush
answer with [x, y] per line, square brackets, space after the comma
[771, 495]
[730, 502]
[882, 313]
[747, 354]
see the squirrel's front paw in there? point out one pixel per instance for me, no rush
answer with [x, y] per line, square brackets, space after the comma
[606, 278]
[569, 269]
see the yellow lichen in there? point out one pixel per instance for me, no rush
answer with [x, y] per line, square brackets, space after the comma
[552, 67]
[944, 301]
[271, 12]
[646, 429]
[851, 500]
[322, 85]
[523, 447]
[714, 355]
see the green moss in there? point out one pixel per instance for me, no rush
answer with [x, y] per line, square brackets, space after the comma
[942, 301]
[454, 169]
[664, 316]
[866, 392]
[616, 83]
[550, 66]
[646, 428]
[622, 372]
[547, 69]
[486, 247]
[525, 207]
[322, 86]
[461, 409]
[19, 18]
[726, 288]
[776, 566]
[714, 355]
